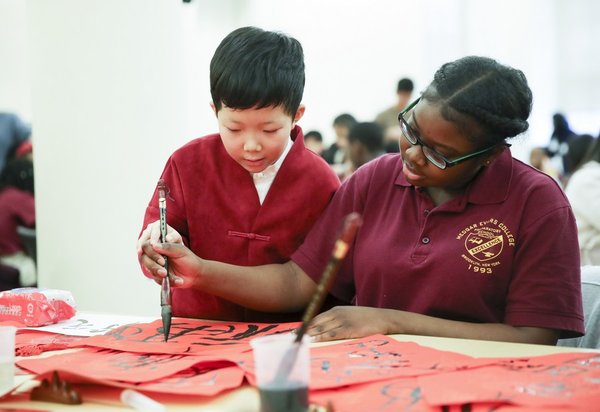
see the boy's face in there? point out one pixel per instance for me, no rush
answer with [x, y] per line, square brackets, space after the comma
[256, 138]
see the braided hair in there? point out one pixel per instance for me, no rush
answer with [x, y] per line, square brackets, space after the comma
[489, 101]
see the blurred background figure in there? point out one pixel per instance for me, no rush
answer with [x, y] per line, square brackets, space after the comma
[539, 158]
[583, 191]
[578, 147]
[365, 143]
[313, 140]
[336, 154]
[388, 119]
[13, 132]
[17, 210]
[558, 147]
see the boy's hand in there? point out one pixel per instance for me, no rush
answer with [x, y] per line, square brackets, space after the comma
[346, 322]
[149, 259]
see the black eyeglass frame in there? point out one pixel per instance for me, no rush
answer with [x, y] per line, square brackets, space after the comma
[413, 138]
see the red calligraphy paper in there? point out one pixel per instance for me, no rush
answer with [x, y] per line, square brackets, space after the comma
[567, 379]
[373, 358]
[382, 396]
[191, 381]
[188, 336]
[113, 365]
[29, 343]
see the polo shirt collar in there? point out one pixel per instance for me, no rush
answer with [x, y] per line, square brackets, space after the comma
[490, 186]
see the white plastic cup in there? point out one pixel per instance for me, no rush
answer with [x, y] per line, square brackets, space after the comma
[7, 358]
[282, 369]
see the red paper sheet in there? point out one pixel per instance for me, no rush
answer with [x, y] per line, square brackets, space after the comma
[29, 343]
[193, 381]
[373, 358]
[382, 396]
[404, 394]
[567, 379]
[114, 365]
[188, 336]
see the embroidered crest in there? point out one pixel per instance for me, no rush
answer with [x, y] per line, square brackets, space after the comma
[483, 244]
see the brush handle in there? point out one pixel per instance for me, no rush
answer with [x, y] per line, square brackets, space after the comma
[351, 224]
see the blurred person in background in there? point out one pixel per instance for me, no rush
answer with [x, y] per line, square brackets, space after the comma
[559, 143]
[17, 208]
[583, 191]
[13, 132]
[336, 154]
[313, 140]
[365, 143]
[388, 119]
[539, 158]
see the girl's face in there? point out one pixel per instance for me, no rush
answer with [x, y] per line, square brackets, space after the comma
[446, 138]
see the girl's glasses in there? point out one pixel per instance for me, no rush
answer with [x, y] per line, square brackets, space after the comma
[434, 157]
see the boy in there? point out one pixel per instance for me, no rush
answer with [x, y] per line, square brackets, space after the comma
[249, 194]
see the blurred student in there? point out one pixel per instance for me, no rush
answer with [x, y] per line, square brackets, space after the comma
[539, 158]
[13, 132]
[337, 154]
[388, 119]
[583, 191]
[313, 140]
[249, 194]
[365, 143]
[17, 208]
[558, 147]
[578, 147]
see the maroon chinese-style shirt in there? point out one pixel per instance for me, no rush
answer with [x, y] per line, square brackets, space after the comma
[214, 205]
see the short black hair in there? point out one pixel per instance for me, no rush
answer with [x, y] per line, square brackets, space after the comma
[314, 135]
[405, 85]
[369, 134]
[257, 68]
[474, 88]
[344, 119]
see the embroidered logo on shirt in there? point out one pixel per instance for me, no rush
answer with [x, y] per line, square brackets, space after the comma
[484, 242]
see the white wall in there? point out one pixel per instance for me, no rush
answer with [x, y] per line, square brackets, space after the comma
[15, 78]
[107, 109]
[112, 87]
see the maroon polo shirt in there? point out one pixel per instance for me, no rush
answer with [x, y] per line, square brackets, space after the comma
[214, 205]
[504, 252]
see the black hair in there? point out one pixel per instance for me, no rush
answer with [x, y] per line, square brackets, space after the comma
[405, 85]
[592, 153]
[474, 88]
[562, 131]
[369, 134]
[18, 173]
[578, 147]
[345, 119]
[257, 68]
[314, 134]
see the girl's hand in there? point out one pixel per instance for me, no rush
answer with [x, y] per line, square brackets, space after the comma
[185, 268]
[346, 322]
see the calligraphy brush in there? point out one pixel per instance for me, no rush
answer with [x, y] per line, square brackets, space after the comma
[349, 229]
[165, 289]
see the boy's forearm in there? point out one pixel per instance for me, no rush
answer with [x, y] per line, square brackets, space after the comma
[267, 288]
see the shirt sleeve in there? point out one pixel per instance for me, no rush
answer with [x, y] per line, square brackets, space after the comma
[314, 254]
[545, 290]
[176, 210]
